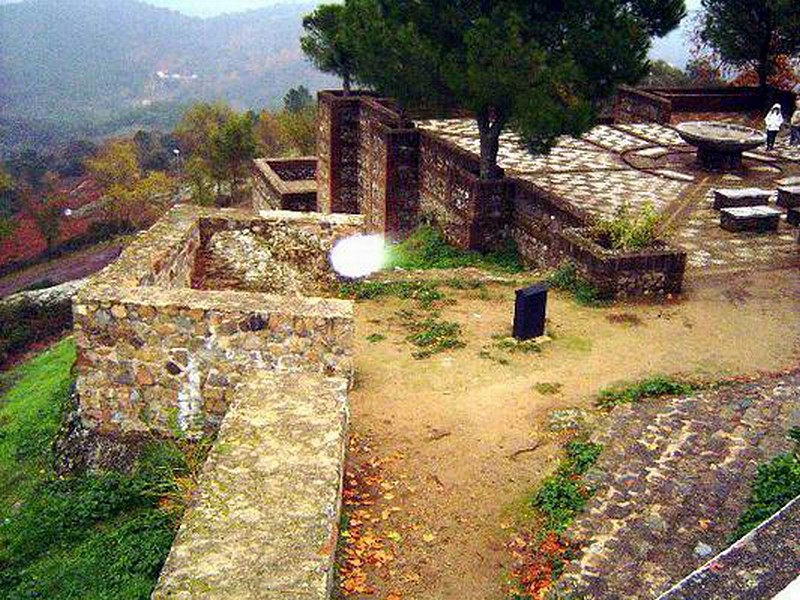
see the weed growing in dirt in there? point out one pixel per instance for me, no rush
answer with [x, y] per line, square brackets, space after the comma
[652, 387]
[562, 495]
[432, 336]
[426, 248]
[374, 338]
[567, 278]
[777, 483]
[101, 535]
[548, 389]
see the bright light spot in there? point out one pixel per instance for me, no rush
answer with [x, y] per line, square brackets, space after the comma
[359, 255]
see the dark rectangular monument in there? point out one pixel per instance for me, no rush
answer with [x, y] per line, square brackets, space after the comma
[529, 312]
[758, 219]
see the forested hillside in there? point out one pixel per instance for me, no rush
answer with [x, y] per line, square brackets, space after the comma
[76, 67]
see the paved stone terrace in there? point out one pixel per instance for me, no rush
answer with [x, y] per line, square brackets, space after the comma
[772, 550]
[671, 484]
[264, 524]
[649, 163]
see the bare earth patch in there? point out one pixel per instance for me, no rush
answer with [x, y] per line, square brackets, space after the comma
[447, 430]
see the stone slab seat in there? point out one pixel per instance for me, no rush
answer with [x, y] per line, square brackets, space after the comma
[793, 217]
[760, 219]
[733, 198]
[264, 524]
[789, 196]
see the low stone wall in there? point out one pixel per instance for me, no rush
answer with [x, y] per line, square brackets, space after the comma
[637, 105]
[618, 274]
[155, 355]
[472, 213]
[285, 184]
[633, 105]
[264, 523]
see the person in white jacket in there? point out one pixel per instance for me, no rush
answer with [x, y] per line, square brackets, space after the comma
[774, 120]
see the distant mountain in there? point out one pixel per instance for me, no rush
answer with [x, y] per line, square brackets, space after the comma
[75, 61]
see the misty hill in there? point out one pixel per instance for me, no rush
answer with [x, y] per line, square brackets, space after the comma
[68, 62]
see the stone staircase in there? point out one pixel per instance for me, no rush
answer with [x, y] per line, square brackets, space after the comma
[671, 483]
[264, 524]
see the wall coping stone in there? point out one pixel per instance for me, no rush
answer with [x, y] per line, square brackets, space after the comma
[264, 525]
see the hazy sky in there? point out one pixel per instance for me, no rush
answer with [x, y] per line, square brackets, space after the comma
[208, 8]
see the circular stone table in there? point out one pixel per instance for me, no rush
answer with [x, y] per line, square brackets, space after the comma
[720, 145]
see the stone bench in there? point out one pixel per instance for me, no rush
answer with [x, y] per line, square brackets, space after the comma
[759, 219]
[735, 198]
[789, 196]
[793, 216]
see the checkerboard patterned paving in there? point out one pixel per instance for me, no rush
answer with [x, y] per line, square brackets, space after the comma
[653, 132]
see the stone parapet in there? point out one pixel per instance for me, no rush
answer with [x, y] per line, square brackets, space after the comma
[264, 524]
[285, 184]
[155, 355]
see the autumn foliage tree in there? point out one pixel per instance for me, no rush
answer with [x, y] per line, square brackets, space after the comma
[541, 67]
[752, 33]
[132, 198]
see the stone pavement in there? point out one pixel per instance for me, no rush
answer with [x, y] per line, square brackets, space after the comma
[648, 163]
[671, 483]
[771, 551]
[264, 524]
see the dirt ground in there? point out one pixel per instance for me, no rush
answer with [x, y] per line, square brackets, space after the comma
[443, 431]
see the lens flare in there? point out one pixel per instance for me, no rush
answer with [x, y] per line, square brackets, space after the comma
[359, 256]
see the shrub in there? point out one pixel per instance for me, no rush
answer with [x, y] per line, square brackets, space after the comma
[628, 230]
[652, 387]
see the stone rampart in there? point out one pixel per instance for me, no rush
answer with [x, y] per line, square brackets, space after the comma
[285, 184]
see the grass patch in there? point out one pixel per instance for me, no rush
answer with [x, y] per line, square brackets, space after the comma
[424, 292]
[777, 483]
[567, 278]
[374, 338]
[99, 536]
[651, 387]
[426, 248]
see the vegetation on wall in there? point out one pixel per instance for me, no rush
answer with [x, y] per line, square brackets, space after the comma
[628, 229]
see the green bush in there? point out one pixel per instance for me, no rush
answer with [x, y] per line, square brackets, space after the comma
[777, 483]
[426, 248]
[652, 387]
[628, 230]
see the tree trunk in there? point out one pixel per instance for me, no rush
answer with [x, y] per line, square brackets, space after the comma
[489, 130]
[346, 83]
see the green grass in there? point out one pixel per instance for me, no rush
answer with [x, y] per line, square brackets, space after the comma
[567, 278]
[777, 483]
[432, 336]
[651, 387]
[424, 292]
[564, 494]
[94, 536]
[425, 248]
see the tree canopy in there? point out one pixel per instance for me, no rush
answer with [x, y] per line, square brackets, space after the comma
[326, 44]
[540, 66]
[752, 32]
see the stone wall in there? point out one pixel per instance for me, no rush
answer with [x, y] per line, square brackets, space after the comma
[155, 355]
[633, 105]
[285, 184]
[656, 271]
[404, 175]
[472, 214]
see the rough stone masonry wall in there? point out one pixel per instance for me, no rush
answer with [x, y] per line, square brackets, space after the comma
[156, 356]
[338, 139]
